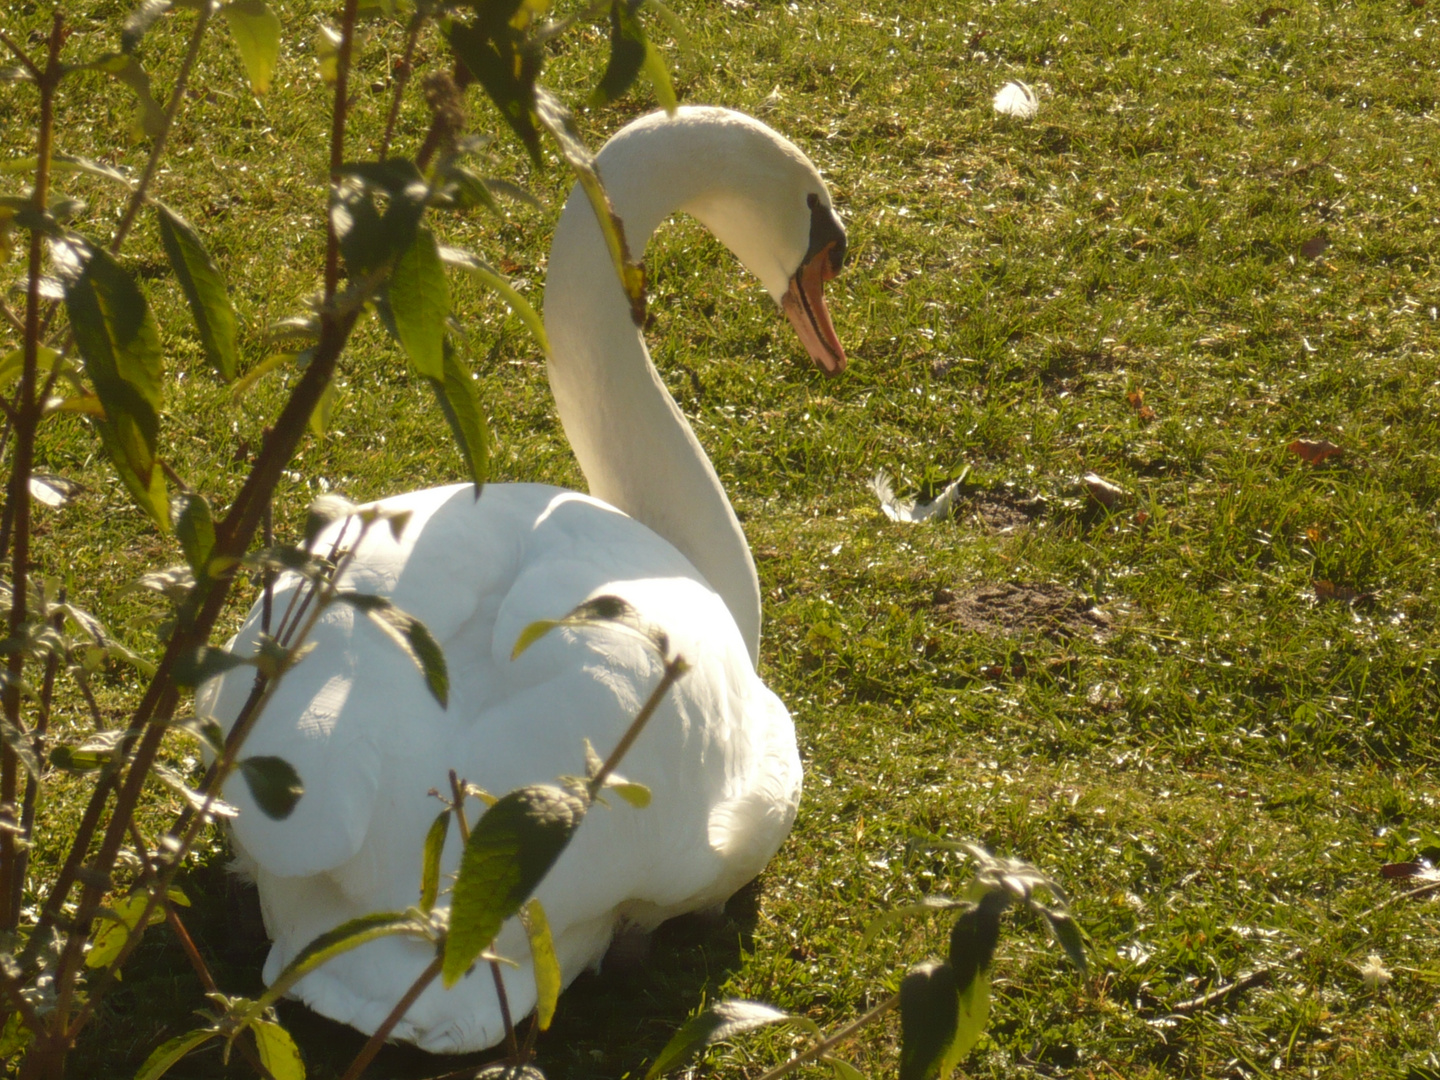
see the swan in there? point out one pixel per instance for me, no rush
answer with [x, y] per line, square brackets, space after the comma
[355, 719]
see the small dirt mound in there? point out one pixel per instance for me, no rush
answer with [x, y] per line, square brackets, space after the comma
[998, 511]
[1007, 607]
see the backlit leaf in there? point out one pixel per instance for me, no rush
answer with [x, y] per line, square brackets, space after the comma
[543, 958]
[430, 860]
[721, 1021]
[460, 404]
[346, 936]
[420, 301]
[205, 663]
[505, 66]
[511, 848]
[169, 1053]
[120, 344]
[278, 1052]
[929, 1019]
[204, 289]
[256, 30]
[494, 280]
[149, 116]
[194, 528]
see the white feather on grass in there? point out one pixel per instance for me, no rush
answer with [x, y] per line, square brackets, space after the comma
[911, 509]
[1015, 99]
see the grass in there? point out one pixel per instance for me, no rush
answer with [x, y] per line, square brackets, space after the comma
[1219, 775]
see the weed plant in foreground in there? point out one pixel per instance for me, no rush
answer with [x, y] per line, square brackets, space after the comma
[1207, 710]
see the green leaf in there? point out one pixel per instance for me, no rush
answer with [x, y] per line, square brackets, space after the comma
[20, 745]
[627, 53]
[205, 663]
[411, 635]
[674, 25]
[974, 936]
[120, 344]
[319, 421]
[1068, 933]
[637, 795]
[169, 1053]
[327, 53]
[67, 163]
[511, 848]
[278, 1052]
[246, 382]
[547, 965]
[494, 280]
[325, 511]
[149, 116]
[557, 120]
[460, 404]
[843, 1070]
[430, 861]
[112, 931]
[929, 1022]
[274, 785]
[506, 66]
[204, 288]
[256, 30]
[194, 528]
[14, 1037]
[658, 73]
[601, 610]
[346, 936]
[721, 1021]
[420, 301]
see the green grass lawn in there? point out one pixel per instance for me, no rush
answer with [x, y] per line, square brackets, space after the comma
[1218, 236]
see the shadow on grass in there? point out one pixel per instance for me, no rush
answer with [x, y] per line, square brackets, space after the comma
[607, 1024]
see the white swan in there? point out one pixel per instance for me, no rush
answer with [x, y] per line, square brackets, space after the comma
[356, 721]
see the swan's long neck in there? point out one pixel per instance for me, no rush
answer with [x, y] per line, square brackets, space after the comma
[635, 447]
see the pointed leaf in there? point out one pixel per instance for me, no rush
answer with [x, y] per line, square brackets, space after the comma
[507, 69]
[112, 931]
[637, 795]
[460, 404]
[557, 120]
[323, 512]
[430, 861]
[169, 1053]
[493, 279]
[120, 343]
[601, 610]
[20, 745]
[974, 936]
[149, 116]
[346, 936]
[67, 163]
[246, 382]
[204, 288]
[256, 30]
[411, 635]
[548, 980]
[929, 1019]
[926, 906]
[627, 53]
[843, 1070]
[510, 850]
[721, 1021]
[274, 785]
[420, 301]
[194, 528]
[319, 421]
[658, 73]
[278, 1052]
[205, 663]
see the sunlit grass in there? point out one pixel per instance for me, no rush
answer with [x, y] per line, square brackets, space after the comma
[1217, 777]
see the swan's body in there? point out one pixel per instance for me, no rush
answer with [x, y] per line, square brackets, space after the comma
[355, 719]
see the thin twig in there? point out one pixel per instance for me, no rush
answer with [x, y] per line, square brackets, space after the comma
[21, 55]
[674, 668]
[510, 1041]
[177, 96]
[372, 1047]
[403, 71]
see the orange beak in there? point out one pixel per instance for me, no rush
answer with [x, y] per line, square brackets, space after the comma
[804, 306]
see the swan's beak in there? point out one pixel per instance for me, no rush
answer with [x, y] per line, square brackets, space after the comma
[804, 306]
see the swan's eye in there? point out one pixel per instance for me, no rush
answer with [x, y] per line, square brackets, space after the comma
[811, 200]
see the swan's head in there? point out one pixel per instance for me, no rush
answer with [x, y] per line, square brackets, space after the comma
[751, 187]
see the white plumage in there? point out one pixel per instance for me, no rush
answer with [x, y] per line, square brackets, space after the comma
[1017, 100]
[369, 742]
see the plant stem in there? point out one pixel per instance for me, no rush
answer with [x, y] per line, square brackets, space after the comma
[825, 1045]
[27, 419]
[403, 71]
[510, 1042]
[674, 668]
[337, 140]
[372, 1047]
[157, 149]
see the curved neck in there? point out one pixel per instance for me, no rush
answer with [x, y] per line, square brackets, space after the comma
[633, 444]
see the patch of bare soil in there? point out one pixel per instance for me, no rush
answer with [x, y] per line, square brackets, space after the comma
[998, 511]
[1007, 607]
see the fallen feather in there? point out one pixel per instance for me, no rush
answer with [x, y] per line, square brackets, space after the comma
[1103, 491]
[1015, 99]
[912, 509]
